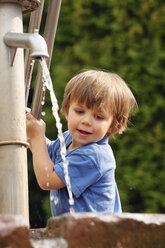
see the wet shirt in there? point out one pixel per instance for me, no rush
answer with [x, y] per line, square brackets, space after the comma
[92, 176]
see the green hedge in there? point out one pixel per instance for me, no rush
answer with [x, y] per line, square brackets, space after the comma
[126, 37]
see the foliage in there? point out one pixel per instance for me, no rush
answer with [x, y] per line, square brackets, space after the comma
[125, 37]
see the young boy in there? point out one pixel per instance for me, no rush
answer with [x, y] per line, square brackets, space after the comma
[97, 105]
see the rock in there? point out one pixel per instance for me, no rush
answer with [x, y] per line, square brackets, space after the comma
[86, 230]
[14, 232]
[50, 243]
[89, 230]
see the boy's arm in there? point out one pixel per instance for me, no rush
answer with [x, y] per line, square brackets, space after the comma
[47, 141]
[46, 176]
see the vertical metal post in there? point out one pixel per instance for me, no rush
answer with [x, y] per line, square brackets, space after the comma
[35, 21]
[50, 33]
[13, 155]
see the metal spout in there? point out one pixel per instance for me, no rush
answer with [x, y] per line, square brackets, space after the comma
[32, 41]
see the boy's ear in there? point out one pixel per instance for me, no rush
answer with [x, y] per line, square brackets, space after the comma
[109, 132]
[66, 116]
[110, 129]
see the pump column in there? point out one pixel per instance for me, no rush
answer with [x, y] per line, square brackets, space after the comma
[13, 155]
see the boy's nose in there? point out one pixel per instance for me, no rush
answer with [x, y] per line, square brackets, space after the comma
[87, 120]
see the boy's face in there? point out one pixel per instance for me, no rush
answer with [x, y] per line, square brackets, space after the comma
[87, 125]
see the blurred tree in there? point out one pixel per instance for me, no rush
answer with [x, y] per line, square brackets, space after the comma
[125, 37]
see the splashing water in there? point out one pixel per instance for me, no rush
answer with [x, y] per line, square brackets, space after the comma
[47, 83]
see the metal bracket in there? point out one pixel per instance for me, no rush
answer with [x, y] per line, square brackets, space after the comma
[12, 54]
[14, 142]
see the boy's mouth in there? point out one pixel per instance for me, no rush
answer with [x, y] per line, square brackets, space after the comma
[83, 132]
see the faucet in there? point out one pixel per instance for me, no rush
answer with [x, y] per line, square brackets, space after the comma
[32, 41]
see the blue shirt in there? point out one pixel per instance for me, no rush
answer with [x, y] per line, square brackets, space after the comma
[92, 175]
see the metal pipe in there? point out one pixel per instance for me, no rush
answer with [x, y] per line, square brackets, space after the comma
[35, 21]
[51, 26]
[34, 42]
[50, 32]
[28, 78]
[13, 154]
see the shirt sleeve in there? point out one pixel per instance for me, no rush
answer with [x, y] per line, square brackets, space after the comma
[83, 172]
[49, 148]
[52, 148]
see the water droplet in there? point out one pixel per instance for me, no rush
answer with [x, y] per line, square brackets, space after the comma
[47, 184]
[52, 197]
[56, 200]
[43, 113]
[67, 178]
[71, 201]
[42, 103]
[72, 210]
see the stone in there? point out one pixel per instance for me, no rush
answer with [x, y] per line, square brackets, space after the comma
[89, 230]
[14, 232]
[50, 243]
[27, 5]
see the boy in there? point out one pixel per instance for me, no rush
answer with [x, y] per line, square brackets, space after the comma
[97, 105]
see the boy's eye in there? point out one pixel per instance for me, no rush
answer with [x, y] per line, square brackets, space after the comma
[79, 111]
[99, 117]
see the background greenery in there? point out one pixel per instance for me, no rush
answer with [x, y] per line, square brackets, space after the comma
[125, 37]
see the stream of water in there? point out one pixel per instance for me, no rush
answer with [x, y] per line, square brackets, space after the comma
[47, 83]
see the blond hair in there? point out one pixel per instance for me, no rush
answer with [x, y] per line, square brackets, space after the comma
[99, 89]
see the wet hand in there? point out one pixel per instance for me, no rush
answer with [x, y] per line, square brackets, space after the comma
[27, 110]
[34, 128]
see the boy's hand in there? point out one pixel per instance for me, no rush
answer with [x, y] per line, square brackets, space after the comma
[27, 110]
[42, 163]
[34, 128]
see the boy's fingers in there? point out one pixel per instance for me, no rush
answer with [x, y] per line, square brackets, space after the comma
[42, 121]
[27, 110]
[29, 116]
